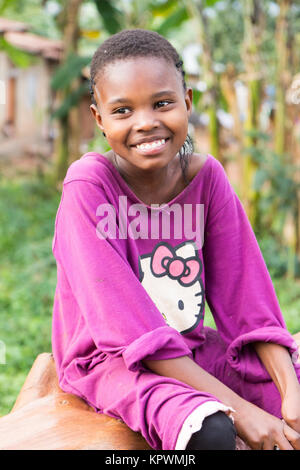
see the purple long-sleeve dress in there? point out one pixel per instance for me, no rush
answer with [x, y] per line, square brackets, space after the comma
[132, 281]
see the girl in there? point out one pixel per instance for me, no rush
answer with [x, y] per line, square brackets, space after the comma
[143, 235]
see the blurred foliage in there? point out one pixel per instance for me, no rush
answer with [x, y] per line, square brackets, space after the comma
[28, 278]
[278, 203]
[68, 71]
[111, 16]
[19, 58]
[274, 178]
[28, 207]
[98, 143]
[165, 16]
[63, 78]
[33, 13]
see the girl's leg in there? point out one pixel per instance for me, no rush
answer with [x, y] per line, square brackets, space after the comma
[155, 406]
[217, 433]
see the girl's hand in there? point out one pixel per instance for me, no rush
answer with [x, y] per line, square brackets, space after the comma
[290, 408]
[259, 429]
[262, 431]
[278, 363]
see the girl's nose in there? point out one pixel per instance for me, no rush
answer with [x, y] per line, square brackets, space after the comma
[145, 121]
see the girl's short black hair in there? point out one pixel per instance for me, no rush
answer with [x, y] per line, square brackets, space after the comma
[131, 43]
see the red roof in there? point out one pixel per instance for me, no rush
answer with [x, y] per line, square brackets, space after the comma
[48, 48]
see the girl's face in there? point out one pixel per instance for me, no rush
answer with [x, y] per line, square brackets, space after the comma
[143, 109]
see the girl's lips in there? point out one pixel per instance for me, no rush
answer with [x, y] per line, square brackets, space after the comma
[151, 148]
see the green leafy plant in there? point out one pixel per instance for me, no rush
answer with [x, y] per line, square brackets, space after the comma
[19, 58]
[63, 79]
[277, 187]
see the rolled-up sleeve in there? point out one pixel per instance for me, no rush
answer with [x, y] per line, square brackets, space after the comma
[120, 316]
[239, 289]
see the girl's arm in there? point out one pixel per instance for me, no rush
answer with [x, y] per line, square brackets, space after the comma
[257, 428]
[278, 363]
[239, 289]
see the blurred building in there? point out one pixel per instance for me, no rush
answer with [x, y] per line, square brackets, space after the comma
[25, 115]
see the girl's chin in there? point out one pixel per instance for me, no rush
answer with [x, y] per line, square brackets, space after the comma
[153, 162]
[145, 160]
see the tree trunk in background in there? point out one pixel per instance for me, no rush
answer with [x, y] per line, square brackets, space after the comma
[209, 76]
[250, 52]
[67, 143]
[227, 82]
[283, 121]
[282, 75]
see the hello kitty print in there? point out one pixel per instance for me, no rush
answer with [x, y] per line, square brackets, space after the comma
[172, 278]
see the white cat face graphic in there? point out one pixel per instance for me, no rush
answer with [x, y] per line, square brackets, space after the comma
[171, 276]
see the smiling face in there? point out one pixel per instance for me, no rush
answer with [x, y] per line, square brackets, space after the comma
[143, 109]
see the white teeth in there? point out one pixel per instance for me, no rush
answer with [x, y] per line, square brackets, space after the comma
[152, 145]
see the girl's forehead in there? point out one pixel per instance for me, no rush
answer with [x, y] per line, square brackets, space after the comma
[138, 74]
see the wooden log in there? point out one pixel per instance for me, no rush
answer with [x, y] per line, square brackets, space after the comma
[46, 418]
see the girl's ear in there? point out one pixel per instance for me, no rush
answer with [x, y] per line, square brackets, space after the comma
[189, 100]
[97, 116]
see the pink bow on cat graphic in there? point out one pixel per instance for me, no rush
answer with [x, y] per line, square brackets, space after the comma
[165, 262]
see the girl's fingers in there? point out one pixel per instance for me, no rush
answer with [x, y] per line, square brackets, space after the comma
[281, 443]
[287, 439]
[292, 436]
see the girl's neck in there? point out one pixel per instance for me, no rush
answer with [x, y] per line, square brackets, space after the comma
[157, 187]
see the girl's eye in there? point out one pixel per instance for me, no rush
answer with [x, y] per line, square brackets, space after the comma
[162, 103]
[125, 110]
[121, 111]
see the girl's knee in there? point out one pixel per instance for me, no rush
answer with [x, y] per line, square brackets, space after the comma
[217, 433]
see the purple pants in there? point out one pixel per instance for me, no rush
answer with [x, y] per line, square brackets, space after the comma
[157, 406]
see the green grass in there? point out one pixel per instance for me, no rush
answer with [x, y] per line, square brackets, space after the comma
[288, 293]
[28, 278]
